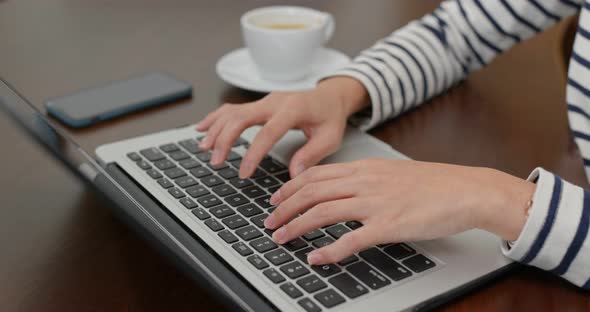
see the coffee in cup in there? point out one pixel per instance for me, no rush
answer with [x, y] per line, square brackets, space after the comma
[283, 40]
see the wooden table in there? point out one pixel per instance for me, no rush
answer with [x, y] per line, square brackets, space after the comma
[62, 249]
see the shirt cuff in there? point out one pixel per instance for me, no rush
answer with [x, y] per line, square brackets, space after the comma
[551, 229]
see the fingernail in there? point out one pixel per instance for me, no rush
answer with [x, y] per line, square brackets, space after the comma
[245, 168]
[270, 221]
[299, 169]
[279, 235]
[216, 157]
[199, 125]
[275, 198]
[314, 258]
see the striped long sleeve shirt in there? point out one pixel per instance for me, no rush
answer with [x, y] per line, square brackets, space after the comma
[431, 54]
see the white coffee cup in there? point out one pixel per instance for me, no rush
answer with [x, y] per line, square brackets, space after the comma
[283, 40]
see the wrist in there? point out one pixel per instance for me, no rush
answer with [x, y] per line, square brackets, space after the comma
[506, 206]
[346, 92]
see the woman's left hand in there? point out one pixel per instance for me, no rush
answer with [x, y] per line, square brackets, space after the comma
[397, 201]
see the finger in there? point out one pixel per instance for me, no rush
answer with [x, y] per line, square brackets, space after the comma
[321, 215]
[323, 143]
[206, 122]
[232, 130]
[313, 174]
[274, 129]
[209, 141]
[310, 195]
[348, 244]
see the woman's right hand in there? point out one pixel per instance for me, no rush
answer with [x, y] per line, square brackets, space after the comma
[321, 113]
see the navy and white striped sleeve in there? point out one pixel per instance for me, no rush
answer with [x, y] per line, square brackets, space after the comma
[429, 55]
[555, 237]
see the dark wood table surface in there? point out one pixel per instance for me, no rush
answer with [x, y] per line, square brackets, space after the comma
[61, 249]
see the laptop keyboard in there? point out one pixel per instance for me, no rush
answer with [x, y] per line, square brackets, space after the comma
[235, 210]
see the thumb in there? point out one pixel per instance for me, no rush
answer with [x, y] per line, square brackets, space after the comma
[322, 143]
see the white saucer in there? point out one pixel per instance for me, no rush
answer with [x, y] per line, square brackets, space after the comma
[237, 68]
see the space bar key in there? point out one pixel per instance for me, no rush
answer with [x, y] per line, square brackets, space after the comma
[385, 264]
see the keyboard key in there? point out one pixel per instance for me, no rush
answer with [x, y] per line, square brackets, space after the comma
[134, 156]
[249, 210]
[197, 191]
[329, 298]
[326, 269]
[221, 211]
[178, 156]
[217, 167]
[348, 260]
[295, 244]
[315, 234]
[257, 173]
[273, 189]
[294, 269]
[177, 193]
[164, 164]
[267, 181]
[228, 173]
[214, 225]
[337, 230]
[209, 201]
[263, 244]
[192, 146]
[291, 290]
[236, 200]
[165, 183]
[253, 191]
[324, 241]
[201, 214]
[235, 221]
[152, 154]
[311, 283]
[385, 264]
[189, 164]
[368, 275]
[309, 305]
[223, 190]
[174, 173]
[239, 183]
[302, 254]
[204, 156]
[186, 181]
[233, 156]
[227, 236]
[278, 256]
[274, 275]
[211, 180]
[258, 262]
[419, 263]
[348, 285]
[242, 249]
[263, 201]
[248, 233]
[236, 163]
[200, 172]
[284, 177]
[272, 166]
[269, 232]
[169, 148]
[188, 203]
[154, 174]
[258, 220]
[353, 225]
[144, 165]
[399, 251]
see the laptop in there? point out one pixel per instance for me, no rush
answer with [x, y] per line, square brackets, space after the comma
[209, 222]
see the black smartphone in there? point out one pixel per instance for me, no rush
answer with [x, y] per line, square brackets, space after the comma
[93, 105]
